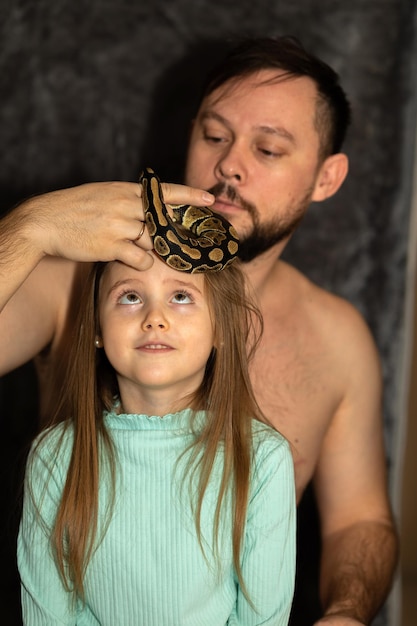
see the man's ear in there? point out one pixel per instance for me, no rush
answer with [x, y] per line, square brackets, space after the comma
[332, 173]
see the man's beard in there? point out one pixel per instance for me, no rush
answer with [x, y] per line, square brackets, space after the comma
[263, 236]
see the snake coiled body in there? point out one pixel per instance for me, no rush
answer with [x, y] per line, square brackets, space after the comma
[195, 239]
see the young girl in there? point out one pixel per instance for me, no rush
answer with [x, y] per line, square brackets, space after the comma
[163, 499]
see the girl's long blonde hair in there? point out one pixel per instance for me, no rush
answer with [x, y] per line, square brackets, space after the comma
[225, 394]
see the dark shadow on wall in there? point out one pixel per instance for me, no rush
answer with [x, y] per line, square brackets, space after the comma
[18, 415]
[306, 606]
[175, 100]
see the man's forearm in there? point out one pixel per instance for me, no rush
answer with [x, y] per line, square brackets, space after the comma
[18, 257]
[357, 568]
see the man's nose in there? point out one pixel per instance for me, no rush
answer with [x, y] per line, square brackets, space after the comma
[231, 166]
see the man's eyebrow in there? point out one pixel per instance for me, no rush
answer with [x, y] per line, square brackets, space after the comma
[212, 115]
[278, 131]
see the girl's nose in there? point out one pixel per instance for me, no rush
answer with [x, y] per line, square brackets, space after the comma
[155, 319]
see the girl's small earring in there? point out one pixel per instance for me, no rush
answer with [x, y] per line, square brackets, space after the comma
[97, 342]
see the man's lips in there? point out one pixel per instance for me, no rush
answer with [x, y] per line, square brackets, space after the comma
[223, 205]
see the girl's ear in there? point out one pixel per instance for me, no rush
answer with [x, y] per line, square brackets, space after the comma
[331, 175]
[98, 342]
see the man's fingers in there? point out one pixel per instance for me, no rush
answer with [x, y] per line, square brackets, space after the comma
[181, 194]
[136, 257]
[144, 241]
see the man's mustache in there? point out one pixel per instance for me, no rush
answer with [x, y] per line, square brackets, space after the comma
[224, 190]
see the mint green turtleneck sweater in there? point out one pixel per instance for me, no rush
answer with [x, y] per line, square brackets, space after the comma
[149, 569]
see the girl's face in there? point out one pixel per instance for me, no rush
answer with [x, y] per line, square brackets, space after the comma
[157, 333]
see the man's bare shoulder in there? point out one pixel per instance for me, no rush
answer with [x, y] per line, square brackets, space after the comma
[62, 270]
[316, 331]
[69, 277]
[38, 311]
[59, 269]
[331, 314]
[334, 328]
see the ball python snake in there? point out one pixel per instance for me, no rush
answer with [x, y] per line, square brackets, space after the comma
[194, 239]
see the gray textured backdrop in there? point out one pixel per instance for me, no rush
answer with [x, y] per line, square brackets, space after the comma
[92, 90]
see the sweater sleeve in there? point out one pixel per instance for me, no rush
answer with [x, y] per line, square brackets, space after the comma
[45, 602]
[268, 554]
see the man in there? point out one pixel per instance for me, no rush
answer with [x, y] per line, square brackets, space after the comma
[266, 142]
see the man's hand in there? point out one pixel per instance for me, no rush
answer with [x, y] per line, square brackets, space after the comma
[338, 620]
[91, 222]
[96, 221]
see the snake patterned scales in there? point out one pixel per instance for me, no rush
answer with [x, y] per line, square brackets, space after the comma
[194, 239]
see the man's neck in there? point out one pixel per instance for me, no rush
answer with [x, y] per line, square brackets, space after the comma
[260, 270]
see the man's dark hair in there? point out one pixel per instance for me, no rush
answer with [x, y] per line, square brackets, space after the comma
[287, 55]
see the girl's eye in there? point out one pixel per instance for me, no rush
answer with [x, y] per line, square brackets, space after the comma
[182, 297]
[129, 298]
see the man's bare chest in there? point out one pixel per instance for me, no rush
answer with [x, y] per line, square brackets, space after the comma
[295, 390]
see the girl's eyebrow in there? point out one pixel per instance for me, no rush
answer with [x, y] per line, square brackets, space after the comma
[178, 283]
[184, 284]
[116, 286]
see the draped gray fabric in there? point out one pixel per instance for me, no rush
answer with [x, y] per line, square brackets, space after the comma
[94, 90]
